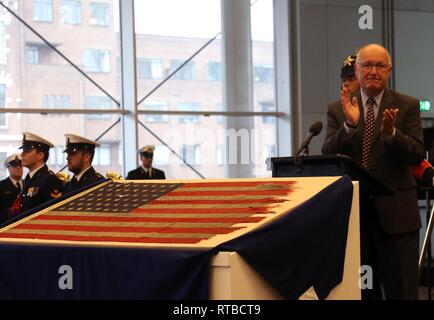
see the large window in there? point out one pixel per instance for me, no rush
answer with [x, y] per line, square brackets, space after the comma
[3, 170]
[2, 106]
[70, 11]
[32, 54]
[56, 102]
[161, 156]
[96, 60]
[102, 156]
[99, 14]
[2, 42]
[264, 73]
[156, 106]
[214, 71]
[43, 10]
[189, 106]
[185, 73]
[37, 77]
[149, 68]
[268, 107]
[57, 157]
[97, 102]
[191, 154]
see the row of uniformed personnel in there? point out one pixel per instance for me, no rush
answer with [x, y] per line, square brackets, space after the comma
[41, 184]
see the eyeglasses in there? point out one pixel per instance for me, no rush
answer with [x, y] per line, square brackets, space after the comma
[369, 66]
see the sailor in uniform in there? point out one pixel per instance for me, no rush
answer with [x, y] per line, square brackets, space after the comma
[10, 187]
[40, 184]
[146, 171]
[80, 152]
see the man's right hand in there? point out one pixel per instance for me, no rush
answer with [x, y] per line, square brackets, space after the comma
[350, 107]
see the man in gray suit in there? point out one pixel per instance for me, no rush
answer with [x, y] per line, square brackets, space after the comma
[381, 129]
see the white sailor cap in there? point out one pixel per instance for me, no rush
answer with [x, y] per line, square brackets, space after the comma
[76, 143]
[13, 160]
[32, 141]
[146, 151]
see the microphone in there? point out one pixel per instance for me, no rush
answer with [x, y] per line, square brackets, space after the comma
[314, 130]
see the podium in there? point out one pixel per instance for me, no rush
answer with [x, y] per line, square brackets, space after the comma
[328, 165]
[426, 193]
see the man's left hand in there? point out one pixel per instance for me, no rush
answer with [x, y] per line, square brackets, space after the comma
[388, 122]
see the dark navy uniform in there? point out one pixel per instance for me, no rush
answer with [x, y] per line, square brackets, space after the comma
[42, 187]
[146, 155]
[140, 174]
[77, 145]
[88, 178]
[8, 193]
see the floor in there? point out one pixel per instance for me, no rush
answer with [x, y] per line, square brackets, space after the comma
[423, 293]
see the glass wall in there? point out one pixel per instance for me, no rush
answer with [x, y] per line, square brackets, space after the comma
[66, 60]
[63, 75]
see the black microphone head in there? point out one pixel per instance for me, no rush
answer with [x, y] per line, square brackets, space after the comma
[316, 128]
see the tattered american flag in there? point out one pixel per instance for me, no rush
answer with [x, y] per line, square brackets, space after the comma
[137, 212]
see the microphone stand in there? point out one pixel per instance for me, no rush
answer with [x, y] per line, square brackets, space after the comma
[298, 159]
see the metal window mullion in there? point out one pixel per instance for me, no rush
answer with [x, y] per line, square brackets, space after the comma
[128, 85]
[238, 74]
[282, 53]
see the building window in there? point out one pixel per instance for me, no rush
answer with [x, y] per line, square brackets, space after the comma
[191, 154]
[268, 107]
[185, 73]
[57, 157]
[97, 102]
[149, 68]
[270, 151]
[2, 42]
[219, 108]
[161, 155]
[156, 106]
[221, 155]
[99, 14]
[189, 106]
[32, 54]
[97, 60]
[2, 106]
[264, 73]
[102, 156]
[55, 102]
[214, 71]
[3, 173]
[70, 11]
[43, 10]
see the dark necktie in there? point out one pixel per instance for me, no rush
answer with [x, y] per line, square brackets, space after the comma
[368, 134]
[26, 181]
[18, 187]
[74, 182]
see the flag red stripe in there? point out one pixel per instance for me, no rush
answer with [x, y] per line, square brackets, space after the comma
[139, 219]
[222, 202]
[277, 192]
[236, 184]
[254, 210]
[25, 226]
[100, 238]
